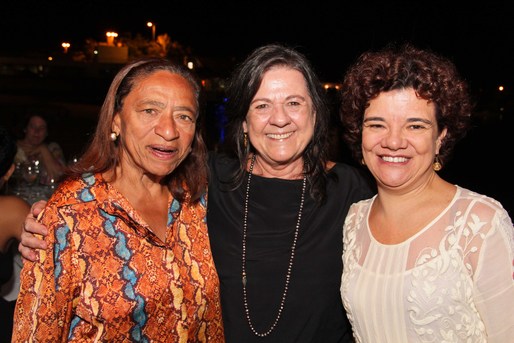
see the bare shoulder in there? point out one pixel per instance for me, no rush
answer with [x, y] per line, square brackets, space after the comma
[13, 212]
[13, 203]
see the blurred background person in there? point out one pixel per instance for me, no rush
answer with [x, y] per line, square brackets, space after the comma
[424, 260]
[128, 255]
[13, 211]
[34, 146]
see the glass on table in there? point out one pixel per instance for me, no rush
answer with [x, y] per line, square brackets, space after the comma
[30, 172]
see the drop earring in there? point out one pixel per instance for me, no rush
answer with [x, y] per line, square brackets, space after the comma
[437, 163]
[245, 139]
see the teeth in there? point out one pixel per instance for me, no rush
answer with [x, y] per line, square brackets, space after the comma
[394, 159]
[277, 136]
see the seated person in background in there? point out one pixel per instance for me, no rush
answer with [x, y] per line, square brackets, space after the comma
[12, 214]
[33, 147]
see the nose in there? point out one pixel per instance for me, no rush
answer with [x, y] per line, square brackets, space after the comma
[279, 116]
[394, 140]
[166, 127]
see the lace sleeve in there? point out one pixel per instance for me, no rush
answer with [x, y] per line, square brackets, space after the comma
[494, 280]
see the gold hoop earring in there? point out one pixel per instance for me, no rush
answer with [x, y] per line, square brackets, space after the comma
[437, 163]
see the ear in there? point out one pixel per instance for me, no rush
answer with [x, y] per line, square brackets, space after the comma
[245, 127]
[116, 124]
[439, 140]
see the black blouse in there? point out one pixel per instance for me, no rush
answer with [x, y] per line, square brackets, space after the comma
[313, 311]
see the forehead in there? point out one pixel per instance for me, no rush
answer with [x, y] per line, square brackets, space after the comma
[283, 79]
[162, 78]
[400, 103]
[37, 121]
[164, 87]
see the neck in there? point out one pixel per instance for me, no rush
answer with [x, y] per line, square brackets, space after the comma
[288, 170]
[399, 200]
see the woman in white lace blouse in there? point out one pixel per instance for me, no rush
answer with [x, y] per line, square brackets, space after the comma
[424, 260]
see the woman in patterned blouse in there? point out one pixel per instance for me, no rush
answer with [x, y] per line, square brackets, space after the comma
[128, 255]
[424, 260]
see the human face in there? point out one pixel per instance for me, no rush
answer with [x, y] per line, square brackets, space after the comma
[156, 124]
[36, 131]
[400, 139]
[280, 120]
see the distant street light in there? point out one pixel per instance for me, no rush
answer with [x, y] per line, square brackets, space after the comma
[110, 37]
[65, 46]
[152, 25]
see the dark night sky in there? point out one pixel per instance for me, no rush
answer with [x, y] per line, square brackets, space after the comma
[478, 37]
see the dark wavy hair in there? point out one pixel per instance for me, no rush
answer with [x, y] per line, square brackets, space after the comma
[103, 154]
[433, 77]
[242, 87]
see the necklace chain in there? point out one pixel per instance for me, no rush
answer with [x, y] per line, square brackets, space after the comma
[291, 258]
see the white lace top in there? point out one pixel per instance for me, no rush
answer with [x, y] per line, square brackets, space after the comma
[451, 282]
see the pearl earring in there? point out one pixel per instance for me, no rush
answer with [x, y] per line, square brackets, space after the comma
[114, 136]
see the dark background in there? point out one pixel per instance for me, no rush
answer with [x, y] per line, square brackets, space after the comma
[478, 37]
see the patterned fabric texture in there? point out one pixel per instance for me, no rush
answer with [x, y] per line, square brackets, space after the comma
[107, 278]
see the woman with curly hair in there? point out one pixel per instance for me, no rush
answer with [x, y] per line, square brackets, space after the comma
[424, 260]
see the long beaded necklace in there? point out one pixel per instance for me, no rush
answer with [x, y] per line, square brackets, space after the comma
[291, 259]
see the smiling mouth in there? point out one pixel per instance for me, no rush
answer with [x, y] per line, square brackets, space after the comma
[279, 136]
[394, 159]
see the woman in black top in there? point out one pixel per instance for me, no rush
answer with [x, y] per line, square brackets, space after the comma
[278, 127]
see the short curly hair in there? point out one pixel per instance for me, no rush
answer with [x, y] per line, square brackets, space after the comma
[433, 77]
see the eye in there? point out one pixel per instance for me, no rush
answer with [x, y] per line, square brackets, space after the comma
[373, 125]
[416, 127]
[261, 106]
[149, 111]
[185, 117]
[293, 103]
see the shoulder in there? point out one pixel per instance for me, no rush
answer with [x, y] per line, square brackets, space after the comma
[344, 169]
[79, 189]
[482, 211]
[54, 146]
[56, 150]
[352, 177]
[80, 195]
[221, 164]
[14, 210]
[12, 202]
[477, 201]
[12, 205]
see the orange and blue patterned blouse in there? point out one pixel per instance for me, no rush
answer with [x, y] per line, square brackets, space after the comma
[106, 277]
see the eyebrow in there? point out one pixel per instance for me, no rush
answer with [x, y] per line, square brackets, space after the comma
[288, 98]
[161, 105]
[409, 120]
